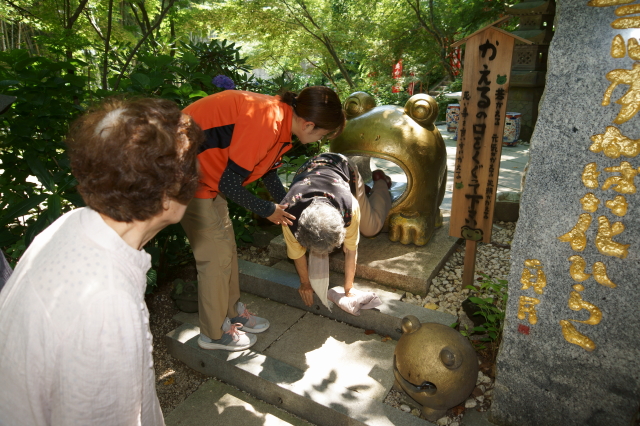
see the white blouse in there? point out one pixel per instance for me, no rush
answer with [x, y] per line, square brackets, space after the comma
[75, 344]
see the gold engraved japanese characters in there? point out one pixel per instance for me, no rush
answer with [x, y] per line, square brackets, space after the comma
[577, 268]
[630, 101]
[614, 144]
[605, 3]
[633, 48]
[527, 305]
[576, 303]
[604, 241]
[590, 202]
[572, 335]
[600, 275]
[618, 205]
[617, 47]
[527, 278]
[624, 183]
[577, 236]
[590, 176]
[625, 23]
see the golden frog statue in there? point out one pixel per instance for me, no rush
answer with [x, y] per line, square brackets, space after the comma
[408, 137]
[434, 365]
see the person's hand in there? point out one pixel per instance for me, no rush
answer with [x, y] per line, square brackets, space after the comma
[348, 292]
[306, 293]
[281, 217]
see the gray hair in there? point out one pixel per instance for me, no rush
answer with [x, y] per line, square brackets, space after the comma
[320, 227]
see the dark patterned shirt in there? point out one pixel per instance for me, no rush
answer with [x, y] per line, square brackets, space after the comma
[326, 175]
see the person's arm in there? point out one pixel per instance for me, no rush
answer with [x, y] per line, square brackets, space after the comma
[231, 186]
[274, 185]
[350, 246]
[350, 259]
[305, 289]
[296, 252]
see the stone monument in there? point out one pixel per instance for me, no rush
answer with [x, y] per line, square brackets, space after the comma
[570, 353]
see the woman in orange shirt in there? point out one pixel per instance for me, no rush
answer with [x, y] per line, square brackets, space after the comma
[246, 135]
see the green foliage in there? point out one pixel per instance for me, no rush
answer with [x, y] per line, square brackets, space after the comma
[36, 185]
[180, 285]
[492, 307]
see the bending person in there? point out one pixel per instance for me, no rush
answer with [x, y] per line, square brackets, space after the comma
[246, 135]
[328, 197]
[75, 344]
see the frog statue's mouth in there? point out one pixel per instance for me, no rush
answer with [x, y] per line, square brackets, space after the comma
[423, 390]
[369, 162]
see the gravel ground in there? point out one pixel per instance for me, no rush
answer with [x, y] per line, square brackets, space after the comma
[175, 381]
[446, 294]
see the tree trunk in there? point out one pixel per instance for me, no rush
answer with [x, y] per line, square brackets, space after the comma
[107, 41]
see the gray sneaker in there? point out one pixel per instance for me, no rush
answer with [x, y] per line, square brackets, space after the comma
[232, 340]
[250, 322]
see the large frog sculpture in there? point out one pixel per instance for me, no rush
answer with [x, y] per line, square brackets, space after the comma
[408, 137]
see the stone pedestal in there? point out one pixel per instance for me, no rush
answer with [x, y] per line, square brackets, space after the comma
[570, 349]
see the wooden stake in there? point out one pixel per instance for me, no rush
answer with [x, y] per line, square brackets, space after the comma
[469, 263]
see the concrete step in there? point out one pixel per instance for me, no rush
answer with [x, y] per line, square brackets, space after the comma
[321, 370]
[219, 404]
[280, 283]
[394, 265]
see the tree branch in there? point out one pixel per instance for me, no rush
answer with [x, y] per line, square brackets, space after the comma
[95, 26]
[76, 14]
[23, 11]
[159, 19]
[107, 47]
[137, 18]
[325, 73]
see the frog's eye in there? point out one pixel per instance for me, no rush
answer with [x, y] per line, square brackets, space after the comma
[450, 357]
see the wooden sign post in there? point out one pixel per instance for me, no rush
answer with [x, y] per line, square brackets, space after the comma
[485, 85]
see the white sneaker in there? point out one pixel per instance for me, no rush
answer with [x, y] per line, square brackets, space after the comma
[250, 322]
[232, 339]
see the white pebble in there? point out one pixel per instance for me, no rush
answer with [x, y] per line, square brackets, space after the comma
[405, 408]
[470, 403]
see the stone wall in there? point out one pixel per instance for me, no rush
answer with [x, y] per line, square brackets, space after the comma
[570, 351]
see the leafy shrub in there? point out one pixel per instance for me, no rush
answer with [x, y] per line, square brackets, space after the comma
[36, 185]
[491, 308]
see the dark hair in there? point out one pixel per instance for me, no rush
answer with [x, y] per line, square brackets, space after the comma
[320, 105]
[129, 155]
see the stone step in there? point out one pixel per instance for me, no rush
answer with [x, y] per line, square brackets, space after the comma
[406, 267]
[219, 404]
[326, 372]
[280, 283]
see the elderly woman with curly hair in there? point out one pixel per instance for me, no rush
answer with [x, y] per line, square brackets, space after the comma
[327, 197]
[75, 344]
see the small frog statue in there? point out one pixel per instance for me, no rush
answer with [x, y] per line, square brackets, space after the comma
[435, 365]
[408, 137]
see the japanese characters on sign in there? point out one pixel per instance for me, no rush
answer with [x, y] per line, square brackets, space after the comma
[610, 198]
[483, 105]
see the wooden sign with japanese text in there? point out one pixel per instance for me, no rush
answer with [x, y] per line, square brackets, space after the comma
[487, 70]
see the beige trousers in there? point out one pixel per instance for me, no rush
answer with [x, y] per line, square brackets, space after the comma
[374, 208]
[212, 240]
